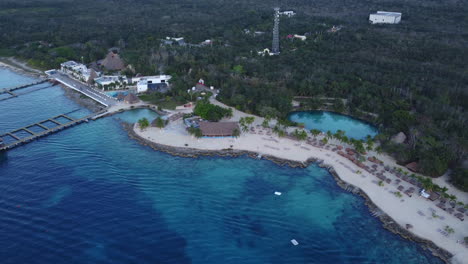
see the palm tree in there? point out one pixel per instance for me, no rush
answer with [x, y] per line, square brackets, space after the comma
[144, 123]
[427, 184]
[236, 133]
[452, 197]
[160, 122]
[444, 189]
[370, 144]
[378, 150]
[345, 139]
[315, 132]
[339, 134]
[329, 134]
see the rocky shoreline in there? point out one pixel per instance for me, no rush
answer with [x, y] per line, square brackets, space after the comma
[388, 222]
[82, 100]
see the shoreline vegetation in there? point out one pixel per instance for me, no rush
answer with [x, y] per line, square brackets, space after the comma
[388, 223]
[20, 67]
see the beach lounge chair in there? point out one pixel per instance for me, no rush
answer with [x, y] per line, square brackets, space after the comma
[409, 193]
[460, 216]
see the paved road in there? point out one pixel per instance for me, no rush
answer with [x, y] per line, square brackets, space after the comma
[84, 89]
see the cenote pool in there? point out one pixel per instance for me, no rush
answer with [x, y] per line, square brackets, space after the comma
[325, 121]
[89, 194]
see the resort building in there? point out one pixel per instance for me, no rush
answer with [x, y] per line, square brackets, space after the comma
[158, 83]
[206, 42]
[300, 37]
[79, 71]
[384, 17]
[171, 41]
[218, 129]
[288, 13]
[107, 81]
[264, 52]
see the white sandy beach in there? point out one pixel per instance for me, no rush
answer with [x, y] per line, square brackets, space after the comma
[415, 210]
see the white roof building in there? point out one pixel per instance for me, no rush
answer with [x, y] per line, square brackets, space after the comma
[384, 17]
[108, 79]
[78, 70]
[288, 13]
[300, 37]
[143, 82]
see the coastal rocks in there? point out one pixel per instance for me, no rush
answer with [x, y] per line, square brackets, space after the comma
[399, 138]
[84, 101]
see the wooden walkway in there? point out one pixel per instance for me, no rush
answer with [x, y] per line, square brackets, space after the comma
[46, 130]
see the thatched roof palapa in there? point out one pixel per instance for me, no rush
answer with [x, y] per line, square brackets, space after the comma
[120, 97]
[218, 129]
[113, 62]
[92, 75]
[131, 99]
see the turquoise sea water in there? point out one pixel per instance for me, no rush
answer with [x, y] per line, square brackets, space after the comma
[10, 79]
[89, 194]
[325, 121]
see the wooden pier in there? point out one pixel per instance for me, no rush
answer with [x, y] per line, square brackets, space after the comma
[47, 131]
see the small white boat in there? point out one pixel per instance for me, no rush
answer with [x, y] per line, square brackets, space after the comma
[278, 193]
[294, 242]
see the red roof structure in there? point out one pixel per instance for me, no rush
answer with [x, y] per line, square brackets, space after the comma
[413, 166]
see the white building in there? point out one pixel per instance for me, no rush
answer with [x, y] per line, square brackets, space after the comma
[289, 13]
[300, 37]
[384, 17]
[78, 70]
[107, 80]
[143, 82]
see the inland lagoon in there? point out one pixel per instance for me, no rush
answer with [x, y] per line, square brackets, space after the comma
[89, 194]
[325, 121]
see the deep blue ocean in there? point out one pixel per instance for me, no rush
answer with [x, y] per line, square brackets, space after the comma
[89, 194]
